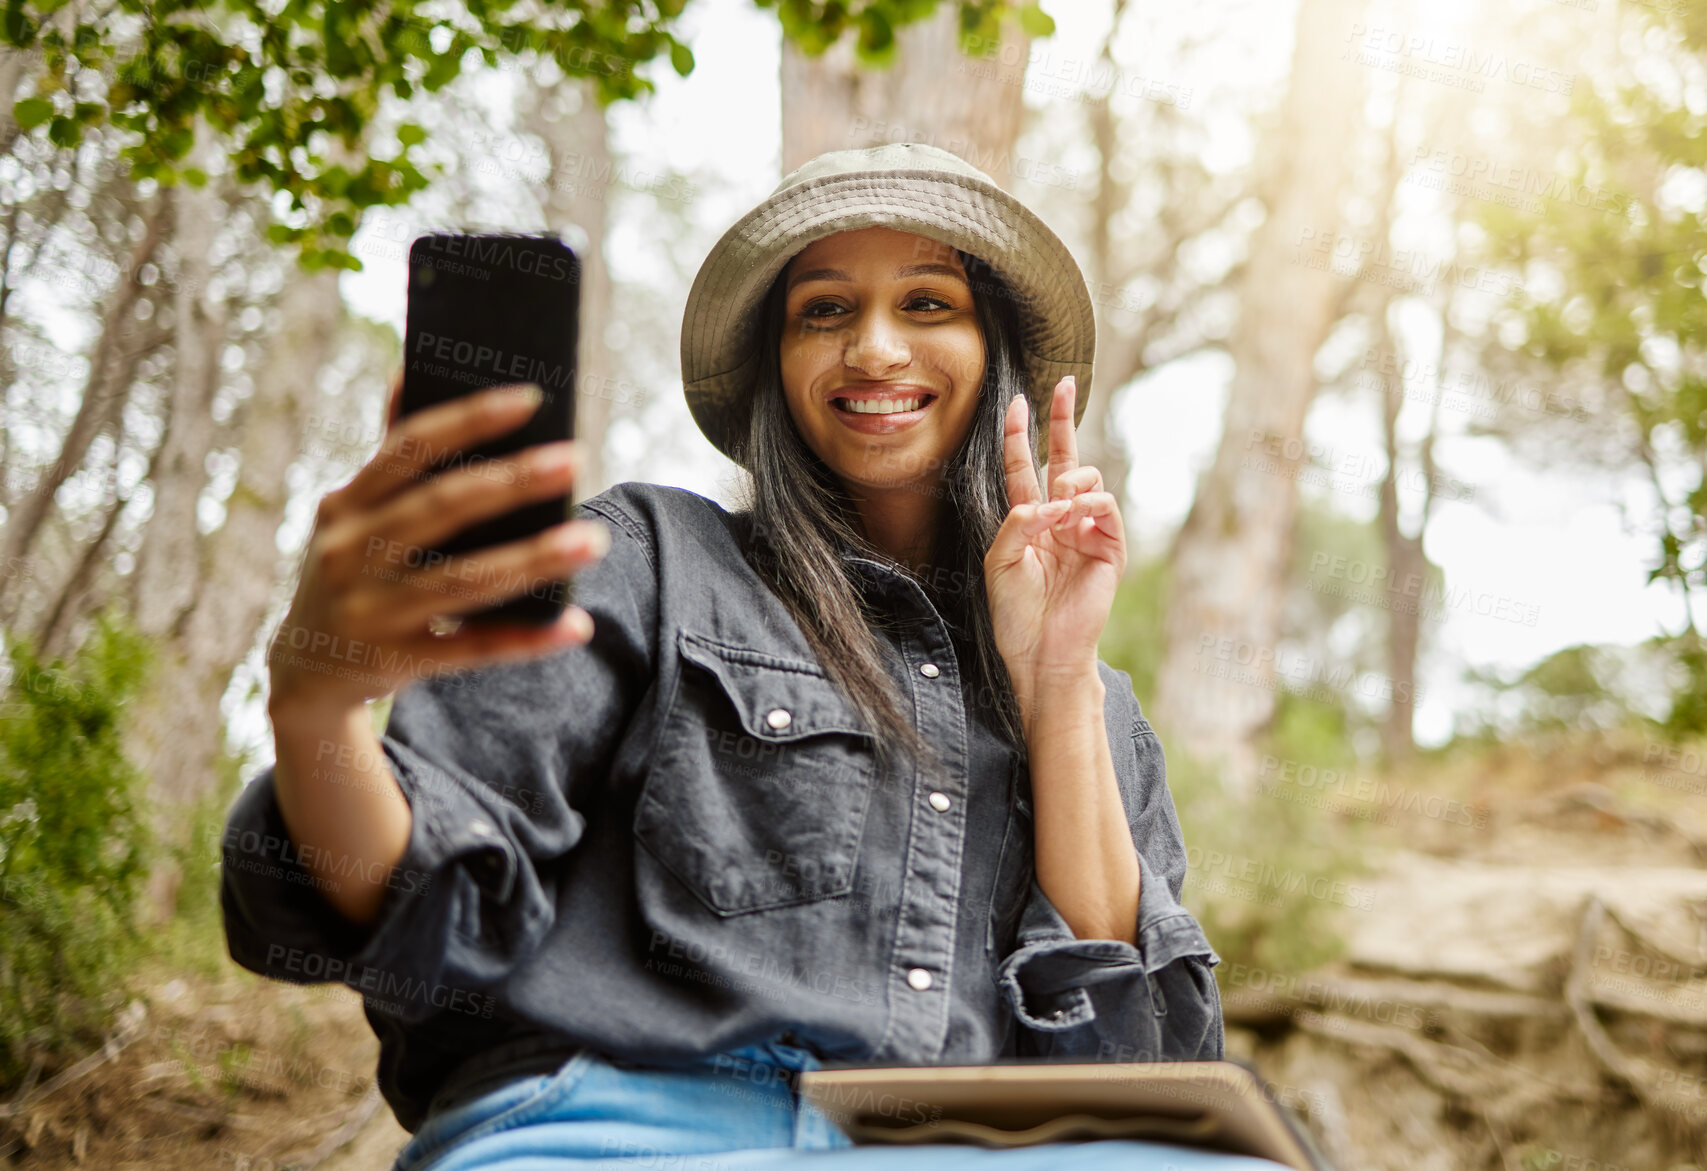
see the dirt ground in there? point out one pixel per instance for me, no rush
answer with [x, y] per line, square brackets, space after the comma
[1524, 983]
[237, 1074]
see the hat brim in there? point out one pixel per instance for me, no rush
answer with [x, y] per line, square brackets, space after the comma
[720, 326]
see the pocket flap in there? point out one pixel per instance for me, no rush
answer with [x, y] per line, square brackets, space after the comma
[775, 699]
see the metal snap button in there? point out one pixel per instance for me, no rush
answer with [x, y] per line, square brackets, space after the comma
[929, 671]
[779, 718]
[939, 802]
[919, 979]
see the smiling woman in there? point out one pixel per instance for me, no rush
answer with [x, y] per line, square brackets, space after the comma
[837, 777]
[861, 322]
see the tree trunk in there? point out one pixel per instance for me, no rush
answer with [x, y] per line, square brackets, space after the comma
[1231, 557]
[168, 576]
[1099, 440]
[576, 142]
[112, 369]
[1405, 560]
[932, 93]
[11, 76]
[239, 561]
[1405, 564]
[83, 591]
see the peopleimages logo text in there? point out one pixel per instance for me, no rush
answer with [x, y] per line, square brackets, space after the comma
[502, 252]
[469, 356]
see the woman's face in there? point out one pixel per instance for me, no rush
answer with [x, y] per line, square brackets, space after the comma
[882, 357]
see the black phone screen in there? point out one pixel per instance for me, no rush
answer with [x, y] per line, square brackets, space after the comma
[485, 310]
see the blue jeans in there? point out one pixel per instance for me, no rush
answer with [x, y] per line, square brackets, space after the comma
[736, 1112]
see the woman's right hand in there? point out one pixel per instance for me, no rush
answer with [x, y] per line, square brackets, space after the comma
[358, 625]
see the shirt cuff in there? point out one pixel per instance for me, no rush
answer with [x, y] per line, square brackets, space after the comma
[458, 854]
[1047, 979]
[451, 916]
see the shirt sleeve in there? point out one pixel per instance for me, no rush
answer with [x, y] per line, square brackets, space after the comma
[498, 765]
[1105, 999]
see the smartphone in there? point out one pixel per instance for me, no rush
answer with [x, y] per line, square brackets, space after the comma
[486, 310]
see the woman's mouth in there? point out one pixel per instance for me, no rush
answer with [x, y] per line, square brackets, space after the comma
[882, 406]
[879, 414]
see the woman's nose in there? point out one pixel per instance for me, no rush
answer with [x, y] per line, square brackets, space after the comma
[875, 346]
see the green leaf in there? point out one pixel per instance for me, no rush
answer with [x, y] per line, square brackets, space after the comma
[16, 28]
[32, 112]
[1035, 21]
[409, 134]
[876, 34]
[681, 59]
[195, 176]
[66, 132]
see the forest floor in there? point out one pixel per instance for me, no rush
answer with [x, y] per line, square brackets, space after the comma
[227, 1073]
[1523, 988]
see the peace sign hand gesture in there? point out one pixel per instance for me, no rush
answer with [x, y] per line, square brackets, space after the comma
[1052, 570]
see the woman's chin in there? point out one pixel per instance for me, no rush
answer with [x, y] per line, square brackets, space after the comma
[889, 478]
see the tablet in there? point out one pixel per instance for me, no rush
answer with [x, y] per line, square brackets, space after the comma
[1216, 1105]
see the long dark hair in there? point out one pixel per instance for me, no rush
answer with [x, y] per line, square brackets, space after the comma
[802, 518]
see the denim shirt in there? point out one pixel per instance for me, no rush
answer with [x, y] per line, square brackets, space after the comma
[677, 839]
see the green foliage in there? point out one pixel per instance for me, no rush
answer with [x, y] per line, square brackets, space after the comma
[1650, 688]
[1132, 640]
[73, 845]
[1035, 21]
[1688, 714]
[1307, 728]
[1333, 677]
[815, 25]
[1258, 865]
[1268, 872]
[291, 87]
[1628, 316]
[193, 941]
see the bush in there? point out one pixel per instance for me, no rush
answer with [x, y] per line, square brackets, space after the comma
[1257, 864]
[74, 847]
[1260, 868]
[1655, 687]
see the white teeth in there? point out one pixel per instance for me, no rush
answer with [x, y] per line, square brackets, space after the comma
[882, 406]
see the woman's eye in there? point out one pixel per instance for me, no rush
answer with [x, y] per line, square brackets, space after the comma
[820, 309]
[928, 304]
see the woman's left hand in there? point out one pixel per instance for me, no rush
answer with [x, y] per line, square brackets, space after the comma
[1052, 570]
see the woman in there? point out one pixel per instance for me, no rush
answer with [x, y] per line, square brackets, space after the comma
[837, 778]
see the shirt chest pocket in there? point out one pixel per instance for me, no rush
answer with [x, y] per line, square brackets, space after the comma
[762, 780]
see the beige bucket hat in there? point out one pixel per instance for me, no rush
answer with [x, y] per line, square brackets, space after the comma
[907, 186]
